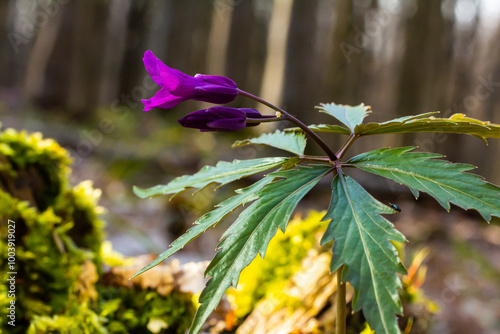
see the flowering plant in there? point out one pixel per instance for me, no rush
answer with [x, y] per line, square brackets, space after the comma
[362, 252]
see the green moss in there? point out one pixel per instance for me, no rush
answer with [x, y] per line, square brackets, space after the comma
[133, 310]
[47, 214]
[84, 321]
[24, 149]
[32, 168]
[58, 240]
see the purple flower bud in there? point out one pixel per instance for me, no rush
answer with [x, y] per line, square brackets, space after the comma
[177, 86]
[223, 119]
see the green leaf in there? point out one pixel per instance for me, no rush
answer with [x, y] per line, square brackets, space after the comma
[291, 163]
[362, 243]
[457, 123]
[250, 234]
[223, 173]
[209, 220]
[410, 118]
[444, 181]
[348, 115]
[344, 131]
[324, 128]
[288, 141]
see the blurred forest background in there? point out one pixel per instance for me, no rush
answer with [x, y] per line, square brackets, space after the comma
[73, 70]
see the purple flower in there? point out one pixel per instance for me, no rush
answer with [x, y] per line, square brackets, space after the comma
[220, 119]
[177, 86]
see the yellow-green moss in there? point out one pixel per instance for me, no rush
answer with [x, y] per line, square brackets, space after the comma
[34, 162]
[58, 239]
[56, 227]
[134, 311]
[84, 321]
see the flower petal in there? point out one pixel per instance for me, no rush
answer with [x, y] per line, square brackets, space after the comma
[194, 123]
[217, 80]
[150, 62]
[166, 76]
[162, 99]
[216, 94]
[252, 113]
[228, 124]
[161, 73]
[226, 112]
[197, 119]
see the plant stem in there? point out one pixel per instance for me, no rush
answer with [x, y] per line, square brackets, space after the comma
[295, 120]
[352, 138]
[340, 324]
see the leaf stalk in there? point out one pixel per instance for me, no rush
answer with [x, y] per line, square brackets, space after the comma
[352, 138]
